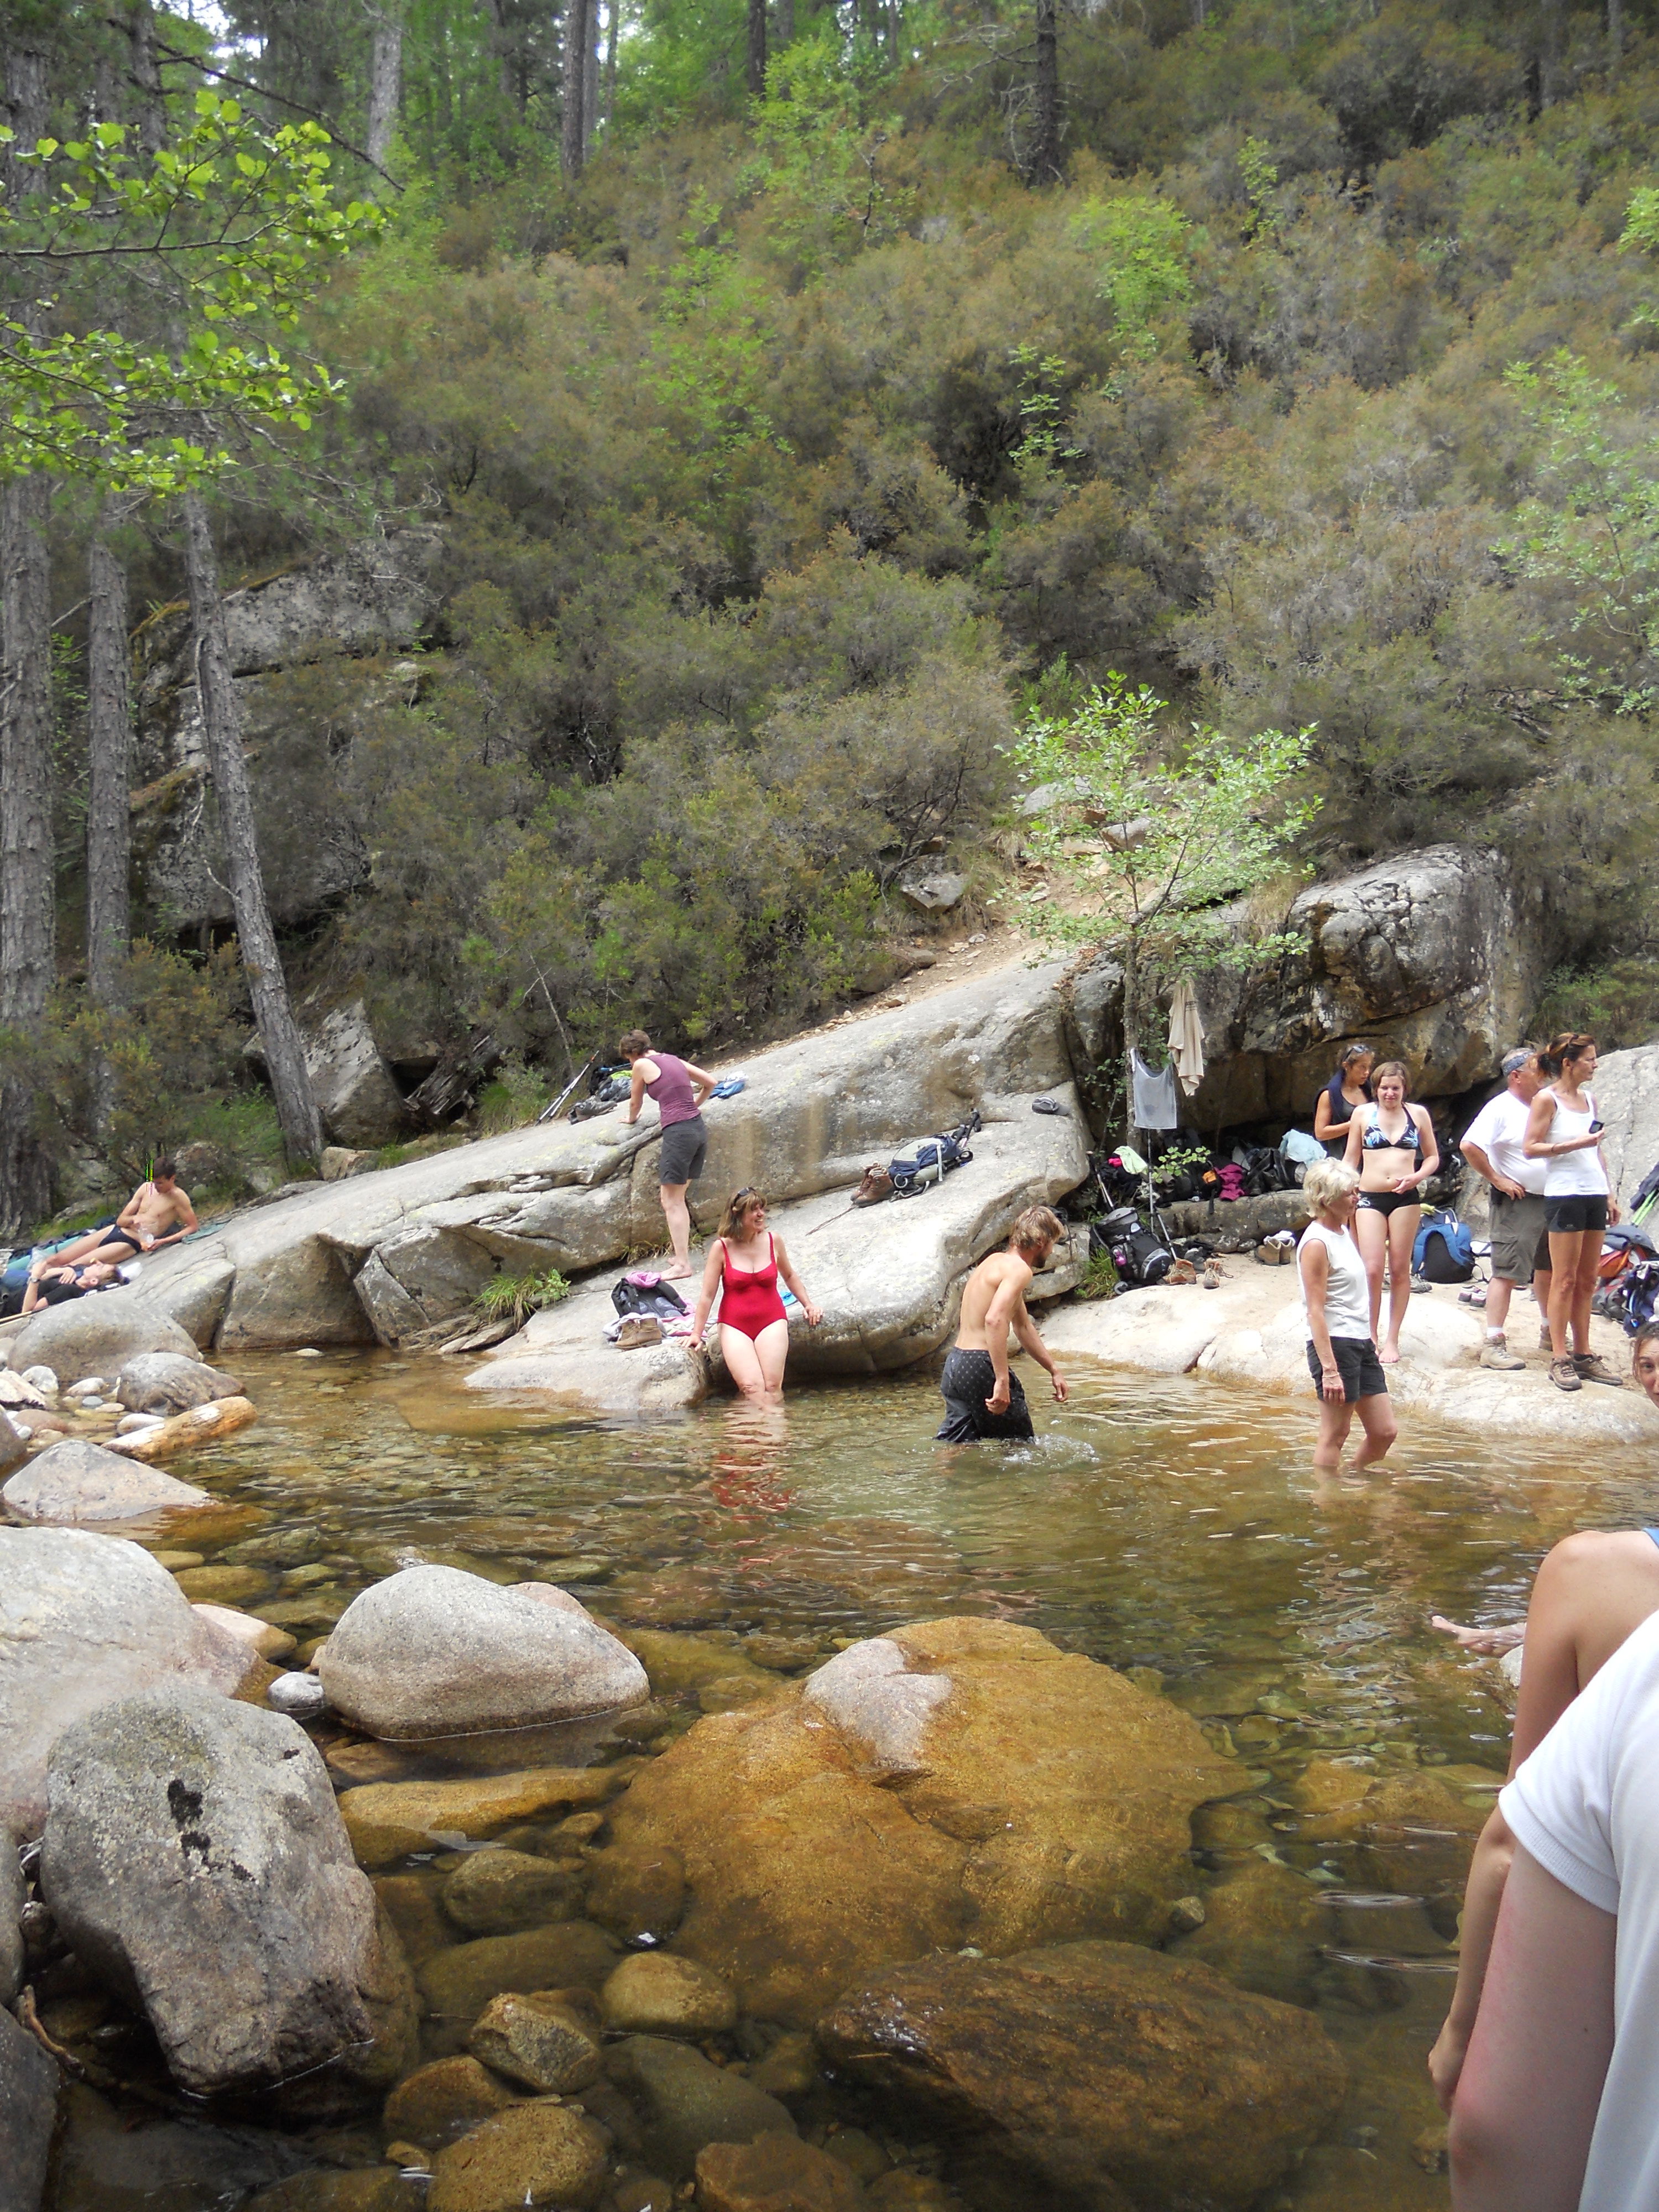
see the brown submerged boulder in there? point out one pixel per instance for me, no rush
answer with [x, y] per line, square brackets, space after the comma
[959, 1782]
[1091, 2078]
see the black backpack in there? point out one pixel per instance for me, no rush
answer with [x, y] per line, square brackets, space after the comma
[1140, 1258]
[661, 1301]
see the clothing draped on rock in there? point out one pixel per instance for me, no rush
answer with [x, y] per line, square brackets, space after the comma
[1187, 1036]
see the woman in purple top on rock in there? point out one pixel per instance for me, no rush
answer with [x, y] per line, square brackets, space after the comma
[679, 1090]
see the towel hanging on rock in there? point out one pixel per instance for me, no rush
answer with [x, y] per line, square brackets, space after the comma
[1187, 1036]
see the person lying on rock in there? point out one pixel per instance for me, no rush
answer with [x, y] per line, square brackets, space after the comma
[1592, 1591]
[744, 1263]
[51, 1284]
[983, 1401]
[157, 1213]
[679, 1089]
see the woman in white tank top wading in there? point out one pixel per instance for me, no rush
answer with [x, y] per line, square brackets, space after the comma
[1336, 1297]
[1564, 1130]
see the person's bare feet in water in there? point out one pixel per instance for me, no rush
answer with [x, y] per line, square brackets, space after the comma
[1485, 1643]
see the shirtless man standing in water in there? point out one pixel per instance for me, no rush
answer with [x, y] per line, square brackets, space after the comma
[992, 1300]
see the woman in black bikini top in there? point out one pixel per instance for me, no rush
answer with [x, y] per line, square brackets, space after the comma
[1392, 1146]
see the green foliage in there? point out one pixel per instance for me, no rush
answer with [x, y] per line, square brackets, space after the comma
[819, 147]
[1100, 1279]
[1140, 243]
[512, 1099]
[515, 1298]
[237, 222]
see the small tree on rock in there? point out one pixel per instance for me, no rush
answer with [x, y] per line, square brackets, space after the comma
[1157, 842]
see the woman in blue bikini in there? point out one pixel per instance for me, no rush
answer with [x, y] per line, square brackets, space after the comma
[1394, 1147]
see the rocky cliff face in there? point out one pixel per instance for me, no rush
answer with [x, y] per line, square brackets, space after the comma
[310, 652]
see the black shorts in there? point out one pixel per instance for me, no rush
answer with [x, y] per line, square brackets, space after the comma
[1572, 1216]
[1386, 1202]
[1357, 1364]
[684, 1148]
[967, 1381]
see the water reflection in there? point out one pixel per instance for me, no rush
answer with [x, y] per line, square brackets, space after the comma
[1165, 1526]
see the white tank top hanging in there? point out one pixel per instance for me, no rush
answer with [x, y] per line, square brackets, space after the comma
[1157, 1101]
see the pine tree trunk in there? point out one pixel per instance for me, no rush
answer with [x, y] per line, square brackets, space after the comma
[612, 15]
[783, 23]
[572, 134]
[147, 76]
[296, 1107]
[109, 819]
[1615, 35]
[385, 71]
[1045, 146]
[26, 843]
[756, 59]
[591, 78]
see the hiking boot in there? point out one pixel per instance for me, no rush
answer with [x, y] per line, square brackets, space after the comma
[1499, 1354]
[876, 1185]
[1546, 1342]
[1212, 1276]
[1590, 1367]
[1564, 1375]
[638, 1330]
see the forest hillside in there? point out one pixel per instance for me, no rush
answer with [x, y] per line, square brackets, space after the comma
[803, 399]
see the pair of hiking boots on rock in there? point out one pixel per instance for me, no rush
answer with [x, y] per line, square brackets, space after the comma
[1581, 1367]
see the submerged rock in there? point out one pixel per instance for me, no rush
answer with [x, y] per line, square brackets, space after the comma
[85, 1620]
[638, 1891]
[539, 2038]
[959, 1782]
[775, 2174]
[493, 1893]
[459, 1983]
[538, 2154]
[653, 1993]
[195, 1860]
[686, 2102]
[168, 1382]
[439, 2102]
[1044, 2063]
[28, 2116]
[77, 1480]
[387, 1821]
[325, 2189]
[433, 1651]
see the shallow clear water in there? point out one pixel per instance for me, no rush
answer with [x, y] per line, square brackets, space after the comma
[1173, 1525]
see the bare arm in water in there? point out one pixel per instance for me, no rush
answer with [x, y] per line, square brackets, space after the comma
[1590, 1593]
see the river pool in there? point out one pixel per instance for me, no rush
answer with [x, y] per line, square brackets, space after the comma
[1167, 1525]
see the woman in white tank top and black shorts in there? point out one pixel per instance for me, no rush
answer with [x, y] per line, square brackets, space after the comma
[1564, 1130]
[1336, 1298]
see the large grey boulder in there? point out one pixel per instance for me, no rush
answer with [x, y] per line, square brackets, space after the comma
[78, 1482]
[889, 1277]
[436, 1652]
[96, 1334]
[356, 1091]
[85, 1620]
[196, 1861]
[1627, 1089]
[28, 2118]
[1435, 957]
[813, 1114]
[168, 1383]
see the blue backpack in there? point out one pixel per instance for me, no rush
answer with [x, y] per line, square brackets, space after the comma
[1444, 1251]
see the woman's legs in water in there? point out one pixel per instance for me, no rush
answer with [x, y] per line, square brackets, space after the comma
[677, 1215]
[756, 1363]
[1376, 1418]
[1402, 1237]
[1370, 1233]
[1335, 1421]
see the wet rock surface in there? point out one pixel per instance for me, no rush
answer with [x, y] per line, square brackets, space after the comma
[387, 1821]
[961, 1782]
[86, 1619]
[775, 2174]
[438, 2102]
[538, 2153]
[493, 1893]
[168, 1382]
[655, 1993]
[458, 1983]
[77, 1481]
[194, 1860]
[1102, 2074]
[432, 1651]
[28, 2118]
[686, 2103]
[542, 2041]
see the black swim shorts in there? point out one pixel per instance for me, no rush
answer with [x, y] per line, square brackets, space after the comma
[967, 1381]
[1357, 1364]
[684, 1148]
[1573, 1215]
[1386, 1202]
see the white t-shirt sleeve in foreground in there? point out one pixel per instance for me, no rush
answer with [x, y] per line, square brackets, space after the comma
[1559, 1806]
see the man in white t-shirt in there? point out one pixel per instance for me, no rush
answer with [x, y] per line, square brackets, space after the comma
[1557, 2105]
[1493, 1147]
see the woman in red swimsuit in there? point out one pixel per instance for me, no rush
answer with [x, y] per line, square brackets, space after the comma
[744, 1263]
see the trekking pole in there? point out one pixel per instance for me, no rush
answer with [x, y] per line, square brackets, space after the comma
[550, 1113]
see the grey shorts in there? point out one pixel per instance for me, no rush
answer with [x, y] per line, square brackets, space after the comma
[684, 1148]
[1520, 1240]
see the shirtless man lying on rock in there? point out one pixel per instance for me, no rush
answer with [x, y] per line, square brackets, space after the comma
[157, 1213]
[983, 1400]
